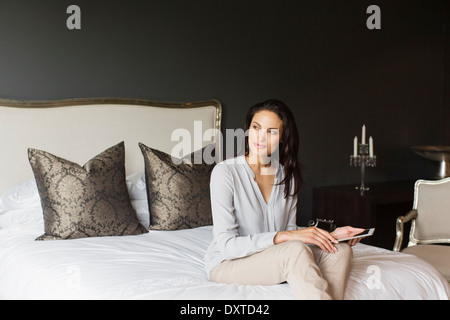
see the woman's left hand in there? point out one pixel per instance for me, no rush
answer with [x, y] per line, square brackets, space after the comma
[347, 232]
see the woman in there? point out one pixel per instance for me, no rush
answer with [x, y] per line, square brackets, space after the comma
[254, 205]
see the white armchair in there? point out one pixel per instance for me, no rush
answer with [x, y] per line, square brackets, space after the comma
[429, 238]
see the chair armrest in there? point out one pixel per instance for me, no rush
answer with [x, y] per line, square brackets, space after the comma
[399, 227]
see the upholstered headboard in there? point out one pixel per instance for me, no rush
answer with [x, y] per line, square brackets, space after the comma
[79, 129]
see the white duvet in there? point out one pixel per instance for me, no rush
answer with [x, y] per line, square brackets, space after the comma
[169, 265]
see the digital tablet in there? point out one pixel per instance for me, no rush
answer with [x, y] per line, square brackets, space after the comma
[365, 233]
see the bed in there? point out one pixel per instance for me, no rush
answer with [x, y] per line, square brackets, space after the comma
[160, 263]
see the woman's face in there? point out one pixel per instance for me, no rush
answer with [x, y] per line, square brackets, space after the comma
[264, 133]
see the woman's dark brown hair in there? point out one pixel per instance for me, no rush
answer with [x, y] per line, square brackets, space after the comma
[288, 147]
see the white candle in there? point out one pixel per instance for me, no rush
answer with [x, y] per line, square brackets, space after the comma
[355, 146]
[371, 147]
[363, 134]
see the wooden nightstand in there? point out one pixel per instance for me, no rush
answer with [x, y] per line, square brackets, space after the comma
[379, 207]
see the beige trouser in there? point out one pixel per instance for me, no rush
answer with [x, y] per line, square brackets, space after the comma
[310, 272]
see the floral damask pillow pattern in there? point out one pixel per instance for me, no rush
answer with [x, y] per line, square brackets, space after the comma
[88, 201]
[178, 193]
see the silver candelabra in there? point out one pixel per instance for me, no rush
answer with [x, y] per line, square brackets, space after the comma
[363, 157]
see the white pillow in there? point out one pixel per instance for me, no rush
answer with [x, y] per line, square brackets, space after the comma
[136, 186]
[138, 194]
[22, 196]
[142, 212]
[26, 196]
[22, 218]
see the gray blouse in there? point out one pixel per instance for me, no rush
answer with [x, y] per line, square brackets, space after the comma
[243, 222]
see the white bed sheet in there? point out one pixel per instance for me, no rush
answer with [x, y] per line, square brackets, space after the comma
[169, 265]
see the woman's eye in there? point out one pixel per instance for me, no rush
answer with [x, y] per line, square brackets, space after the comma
[255, 127]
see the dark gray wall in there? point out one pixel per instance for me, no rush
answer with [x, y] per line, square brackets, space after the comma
[317, 56]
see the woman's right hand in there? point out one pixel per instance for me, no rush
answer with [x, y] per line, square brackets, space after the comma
[310, 235]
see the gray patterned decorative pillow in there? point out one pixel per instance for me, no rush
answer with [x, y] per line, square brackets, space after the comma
[178, 194]
[88, 201]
